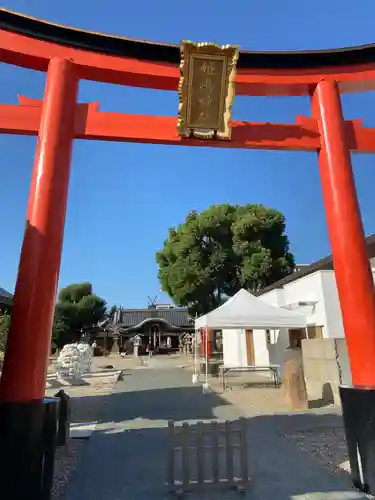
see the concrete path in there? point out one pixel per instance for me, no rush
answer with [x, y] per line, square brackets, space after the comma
[125, 458]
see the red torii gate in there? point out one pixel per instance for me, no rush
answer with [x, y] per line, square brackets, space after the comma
[68, 55]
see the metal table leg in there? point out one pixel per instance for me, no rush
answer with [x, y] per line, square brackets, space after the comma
[275, 378]
[222, 380]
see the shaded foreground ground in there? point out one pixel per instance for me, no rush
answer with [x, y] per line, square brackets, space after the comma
[325, 442]
[125, 458]
[86, 403]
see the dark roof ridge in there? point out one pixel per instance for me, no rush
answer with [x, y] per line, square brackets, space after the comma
[168, 53]
[320, 265]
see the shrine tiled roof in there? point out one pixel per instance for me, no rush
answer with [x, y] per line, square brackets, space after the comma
[175, 317]
[5, 296]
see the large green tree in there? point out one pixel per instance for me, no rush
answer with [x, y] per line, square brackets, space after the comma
[77, 310]
[220, 250]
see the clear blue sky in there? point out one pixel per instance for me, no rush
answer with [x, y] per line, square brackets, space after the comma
[124, 197]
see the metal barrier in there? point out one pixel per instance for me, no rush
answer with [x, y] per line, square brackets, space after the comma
[213, 453]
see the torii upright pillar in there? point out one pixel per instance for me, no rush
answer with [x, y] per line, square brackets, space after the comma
[354, 281]
[27, 418]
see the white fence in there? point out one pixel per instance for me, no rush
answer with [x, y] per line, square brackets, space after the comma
[212, 453]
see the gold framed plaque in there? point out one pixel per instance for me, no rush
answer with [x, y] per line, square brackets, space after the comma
[206, 90]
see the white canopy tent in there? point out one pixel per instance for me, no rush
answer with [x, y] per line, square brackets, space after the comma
[243, 310]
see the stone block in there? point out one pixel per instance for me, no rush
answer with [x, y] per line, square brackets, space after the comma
[318, 349]
[294, 385]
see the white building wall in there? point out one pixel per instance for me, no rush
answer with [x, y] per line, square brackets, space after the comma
[278, 348]
[274, 297]
[333, 326]
[234, 348]
[319, 287]
[278, 343]
[261, 353]
[308, 289]
[327, 311]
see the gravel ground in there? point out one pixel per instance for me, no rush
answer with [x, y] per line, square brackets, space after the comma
[65, 462]
[135, 419]
[86, 407]
[255, 399]
[328, 446]
[312, 443]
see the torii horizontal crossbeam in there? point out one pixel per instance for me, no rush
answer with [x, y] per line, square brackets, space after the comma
[92, 124]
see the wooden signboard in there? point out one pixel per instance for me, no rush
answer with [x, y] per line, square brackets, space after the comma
[206, 90]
